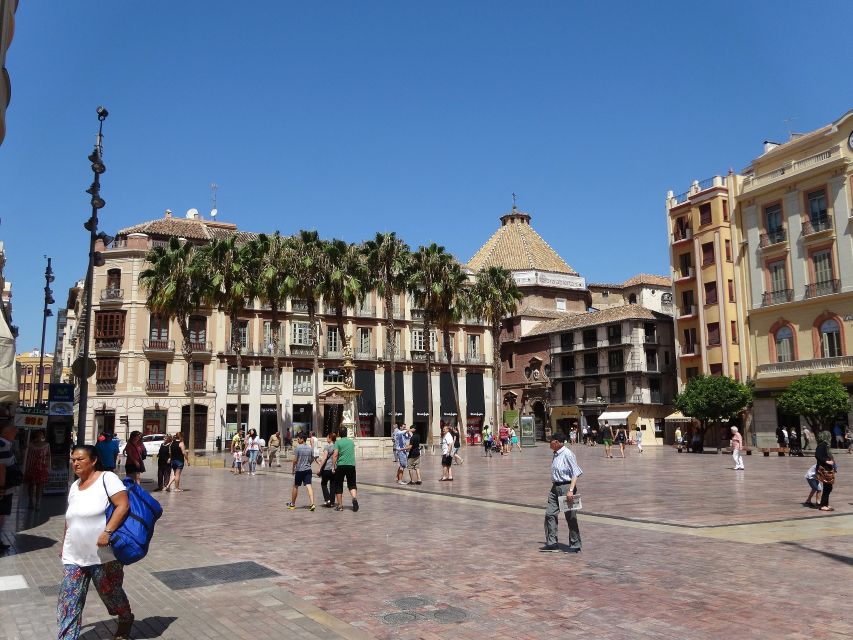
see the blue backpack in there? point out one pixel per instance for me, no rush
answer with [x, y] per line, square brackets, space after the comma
[130, 541]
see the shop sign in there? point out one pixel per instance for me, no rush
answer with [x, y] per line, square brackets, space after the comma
[31, 418]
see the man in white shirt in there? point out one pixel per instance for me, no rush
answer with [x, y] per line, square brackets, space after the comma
[446, 455]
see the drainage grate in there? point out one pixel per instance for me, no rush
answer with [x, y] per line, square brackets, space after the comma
[213, 575]
[400, 618]
[50, 590]
[411, 602]
[451, 614]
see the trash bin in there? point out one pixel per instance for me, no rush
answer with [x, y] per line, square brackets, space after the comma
[219, 443]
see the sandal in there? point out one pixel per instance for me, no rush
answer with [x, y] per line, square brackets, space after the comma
[827, 509]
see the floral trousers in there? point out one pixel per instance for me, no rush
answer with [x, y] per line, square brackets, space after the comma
[108, 580]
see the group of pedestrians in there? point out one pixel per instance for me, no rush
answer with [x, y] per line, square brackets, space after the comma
[336, 466]
[821, 475]
[407, 453]
[504, 441]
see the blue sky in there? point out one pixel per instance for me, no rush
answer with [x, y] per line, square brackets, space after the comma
[423, 118]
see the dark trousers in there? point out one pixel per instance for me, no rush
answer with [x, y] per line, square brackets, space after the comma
[552, 511]
[164, 472]
[824, 497]
[327, 477]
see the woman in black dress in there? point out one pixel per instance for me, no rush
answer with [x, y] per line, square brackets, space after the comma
[825, 468]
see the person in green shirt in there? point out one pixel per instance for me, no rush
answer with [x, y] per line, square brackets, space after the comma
[344, 462]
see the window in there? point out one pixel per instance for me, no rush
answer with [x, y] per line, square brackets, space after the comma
[107, 369]
[705, 213]
[510, 360]
[817, 209]
[268, 379]
[232, 379]
[716, 369]
[773, 219]
[707, 254]
[685, 262]
[590, 338]
[822, 263]
[363, 340]
[158, 329]
[778, 278]
[198, 329]
[114, 279]
[418, 340]
[268, 336]
[614, 333]
[590, 363]
[666, 358]
[617, 389]
[725, 210]
[302, 381]
[560, 304]
[243, 334]
[690, 341]
[473, 346]
[687, 300]
[736, 366]
[615, 361]
[784, 339]
[651, 360]
[692, 372]
[567, 392]
[333, 340]
[728, 244]
[632, 299]
[713, 333]
[109, 324]
[567, 341]
[734, 331]
[567, 365]
[830, 339]
[710, 293]
[301, 332]
[333, 375]
[197, 374]
[157, 373]
[682, 229]
[731, 284]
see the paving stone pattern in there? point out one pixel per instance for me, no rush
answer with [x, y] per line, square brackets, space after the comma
[674, 546]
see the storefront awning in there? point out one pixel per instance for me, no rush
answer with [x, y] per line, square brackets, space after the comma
[678, 417]
[614, 416]
[8, 369]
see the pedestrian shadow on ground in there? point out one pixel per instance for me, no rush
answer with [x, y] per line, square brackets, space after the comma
[25, 543]
[827, 554]
[150, 627]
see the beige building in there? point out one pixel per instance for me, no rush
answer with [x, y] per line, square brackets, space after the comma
[28, 377]
[649, 291]
[708, 330]
[792, 229]
[142, 374]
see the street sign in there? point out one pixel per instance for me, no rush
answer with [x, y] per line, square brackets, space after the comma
[79, 368]
[31, 418]
[61, 399]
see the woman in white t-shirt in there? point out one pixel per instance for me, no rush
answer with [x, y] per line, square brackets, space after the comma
[253, 450]
[86, 554]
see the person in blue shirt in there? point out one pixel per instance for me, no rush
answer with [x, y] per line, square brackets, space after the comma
[107, 448]
[565, 472]
[401, 441]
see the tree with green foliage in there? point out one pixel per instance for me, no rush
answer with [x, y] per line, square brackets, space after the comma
[452, 304]
[820, 398]
[713, 399]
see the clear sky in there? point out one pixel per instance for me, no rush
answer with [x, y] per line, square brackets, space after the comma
[417, 117]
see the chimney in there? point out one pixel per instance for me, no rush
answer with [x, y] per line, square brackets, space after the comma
[168, 213]
[769, 145]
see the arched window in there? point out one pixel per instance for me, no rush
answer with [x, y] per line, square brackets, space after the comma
[784, 344]
[632, 299]
[830, 339]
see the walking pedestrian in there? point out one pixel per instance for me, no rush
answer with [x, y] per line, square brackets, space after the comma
[607, 437]
[503, 435]
[593, 435]
[737, 445]
[344, 461]
[513, 439]
[303, 458]
[164, 463]
[86, 553]
[585, 434]
[237, 463]
[252, 450]
[565, 472]
[8, 467]
[399, 437]
[327, 471]
[177, 460]
[816, 488]
[807, 438]
[825, 468]
[107, 448]
[37, 469]
[487, 441]
[679, 439]
[272, 451]
[134, 453]
[446, 455]
[457, 445]
[413, 449]
[621, 438]
[638, 438]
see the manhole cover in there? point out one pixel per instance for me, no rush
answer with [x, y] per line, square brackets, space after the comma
[451, 614]
[411, 602]
[399, 618]
[213, 575]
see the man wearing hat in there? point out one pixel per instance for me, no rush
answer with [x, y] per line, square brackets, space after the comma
[564, 476]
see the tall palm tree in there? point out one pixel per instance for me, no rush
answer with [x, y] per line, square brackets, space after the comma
[175, 284]
[493, 297]
[425, 286]
[232, 273]
[306, 281]
[389, 261]
[276, 255]
[451, 307]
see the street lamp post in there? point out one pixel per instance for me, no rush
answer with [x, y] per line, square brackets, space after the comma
[95, 259]
[48, 300]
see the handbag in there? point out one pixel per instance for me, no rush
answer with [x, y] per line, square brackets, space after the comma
[825, 476]
[131, 538]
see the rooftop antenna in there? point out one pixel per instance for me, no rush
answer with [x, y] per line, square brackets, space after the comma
[213, 209]
[514, 202]
[787, 122]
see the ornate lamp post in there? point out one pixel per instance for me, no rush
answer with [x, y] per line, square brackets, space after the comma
[48, 300]
[83, 366]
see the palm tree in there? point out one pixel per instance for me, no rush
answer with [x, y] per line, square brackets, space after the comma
[425, 286]
[452, 301]
[276, 254]
[493, 297]
[346, 283]
[175, 284]
[306, 281]
[389, 260]
[232, 273]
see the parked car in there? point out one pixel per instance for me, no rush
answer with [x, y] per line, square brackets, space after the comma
[152, 443]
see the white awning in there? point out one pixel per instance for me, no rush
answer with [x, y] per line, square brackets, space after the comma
[678, 417]
[615, 416]
[8, 370]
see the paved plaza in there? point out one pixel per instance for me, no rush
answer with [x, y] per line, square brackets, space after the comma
[674, 546]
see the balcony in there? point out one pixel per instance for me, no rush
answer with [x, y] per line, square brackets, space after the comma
[650, 338]
[788, 169]
[595, 400]
[199, 347]
[104, 345]
[303, 389]
[685, 311]
[680, 235]
[231, 350]
[299, 306]
[777, 297]
[475, 358]
[333, 353]
[105, 386]
[268, 387]
[235, 387]
[685, 274]
[419, 355]
[417, 314]
[302, 350]
[399, 312]
[640, 397]
[158, 346]
[689, 349]
[112, 294]
[771, 238]
[364, 354]
[614, 367]
[365, 312]
[816, 225]
[822, 288]
[840, 364]
[157, 386]
[618, 398]
[196, 388]
[617, 340]
[591, 370]
[563, 373]
[399, 356]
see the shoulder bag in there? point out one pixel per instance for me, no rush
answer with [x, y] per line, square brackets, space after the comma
[131, 538]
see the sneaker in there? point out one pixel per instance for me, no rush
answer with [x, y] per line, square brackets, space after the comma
[291, 507]
[402, 482]
[328, 505]
[419, 482]
[311, 508]
[339, 508]
[549, 548]
[354, 504]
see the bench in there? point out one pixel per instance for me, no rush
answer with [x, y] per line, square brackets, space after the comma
[779, 450]
[745, 450]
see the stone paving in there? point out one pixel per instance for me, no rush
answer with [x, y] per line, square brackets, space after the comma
[674, 546]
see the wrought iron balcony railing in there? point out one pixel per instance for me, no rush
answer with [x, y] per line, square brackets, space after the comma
[777, 297]
[822, 288]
